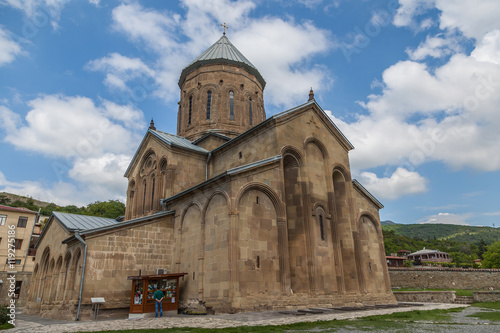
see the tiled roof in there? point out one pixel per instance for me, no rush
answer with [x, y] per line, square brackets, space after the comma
[16, 209]
[222, 51]
[74, 222]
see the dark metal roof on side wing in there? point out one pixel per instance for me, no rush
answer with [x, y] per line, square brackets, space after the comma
[73, 222]
[222, 51]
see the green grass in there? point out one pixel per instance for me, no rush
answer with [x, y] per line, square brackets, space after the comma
[6, 326]
[487, 305]
[489, 314]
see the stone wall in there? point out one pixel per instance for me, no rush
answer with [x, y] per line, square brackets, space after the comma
[486, 296]
[425, 296]
[444, 278]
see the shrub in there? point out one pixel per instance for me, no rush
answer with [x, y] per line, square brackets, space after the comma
[4, 311]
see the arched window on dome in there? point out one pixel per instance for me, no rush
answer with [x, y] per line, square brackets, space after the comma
[180, 120]
[209, 103]
[231, 105]
[190, 109]
[250, 109]
[321, 227]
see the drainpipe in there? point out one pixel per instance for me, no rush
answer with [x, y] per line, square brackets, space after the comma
[77, 236]
[206, 165]
[37, 217]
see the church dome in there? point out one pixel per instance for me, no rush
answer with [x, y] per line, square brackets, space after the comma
[223, 51]
[221, 93]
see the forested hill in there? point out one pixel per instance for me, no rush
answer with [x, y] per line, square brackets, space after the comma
[457, 233]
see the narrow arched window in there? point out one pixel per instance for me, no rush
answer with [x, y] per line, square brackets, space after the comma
[250, 109]
[190, 109]
[144, 198]
[180, 120]
[231, 105]
[209, 103]
[321, 228]
[153, 193]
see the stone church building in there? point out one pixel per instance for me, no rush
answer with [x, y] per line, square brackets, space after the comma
[261, 213]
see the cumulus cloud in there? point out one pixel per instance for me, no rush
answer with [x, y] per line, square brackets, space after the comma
[121, 70]
[401, 182]
[91, 145]
[472, 18]
[9, 49]
[424, 113]
[70, 127]
[43, 10]
[435, 47]
[176, 40]
[446, 218]
[455, 107]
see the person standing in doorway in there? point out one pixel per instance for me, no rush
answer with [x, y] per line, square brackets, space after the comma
[158, 296]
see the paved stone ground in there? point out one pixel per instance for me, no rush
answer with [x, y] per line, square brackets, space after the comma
[27, 324]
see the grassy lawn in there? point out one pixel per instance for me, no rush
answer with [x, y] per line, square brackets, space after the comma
[490, 311]
[6, 326]
[391, 322]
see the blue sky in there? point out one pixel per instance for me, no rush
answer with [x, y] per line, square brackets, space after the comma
[413, 84]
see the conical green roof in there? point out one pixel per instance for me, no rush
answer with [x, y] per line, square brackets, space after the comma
[225, 52]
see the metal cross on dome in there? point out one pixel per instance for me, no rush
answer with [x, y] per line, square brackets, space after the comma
[225, 27]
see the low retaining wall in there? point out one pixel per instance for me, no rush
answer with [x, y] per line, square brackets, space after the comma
[425, 296]
[444, 278]
[486, 296]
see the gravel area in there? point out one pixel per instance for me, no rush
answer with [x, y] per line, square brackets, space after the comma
[459, 322]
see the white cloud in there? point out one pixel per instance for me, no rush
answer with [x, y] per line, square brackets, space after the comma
[284, 64]
[41, 10]
[289, 46]
[9, 49]
[436, 47]
[91, 145]
[401, 182]
[446, 218]
[449, 114]
[473, 18]
[121, 70]
[71, 127]
[409, 10]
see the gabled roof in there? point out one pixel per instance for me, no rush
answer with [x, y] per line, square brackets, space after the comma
[357, 185]
[121, 224]
[73, 222]
[171, 140]
[17, 209]
[277, 116]
[426, 251]
[203, 137]
[222, 51]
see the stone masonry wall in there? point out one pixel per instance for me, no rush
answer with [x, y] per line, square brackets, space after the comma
[425, 296]
[444, 278]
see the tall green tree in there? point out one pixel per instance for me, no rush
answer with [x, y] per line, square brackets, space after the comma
[110, 208]
[491, 258]
[481, 248]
